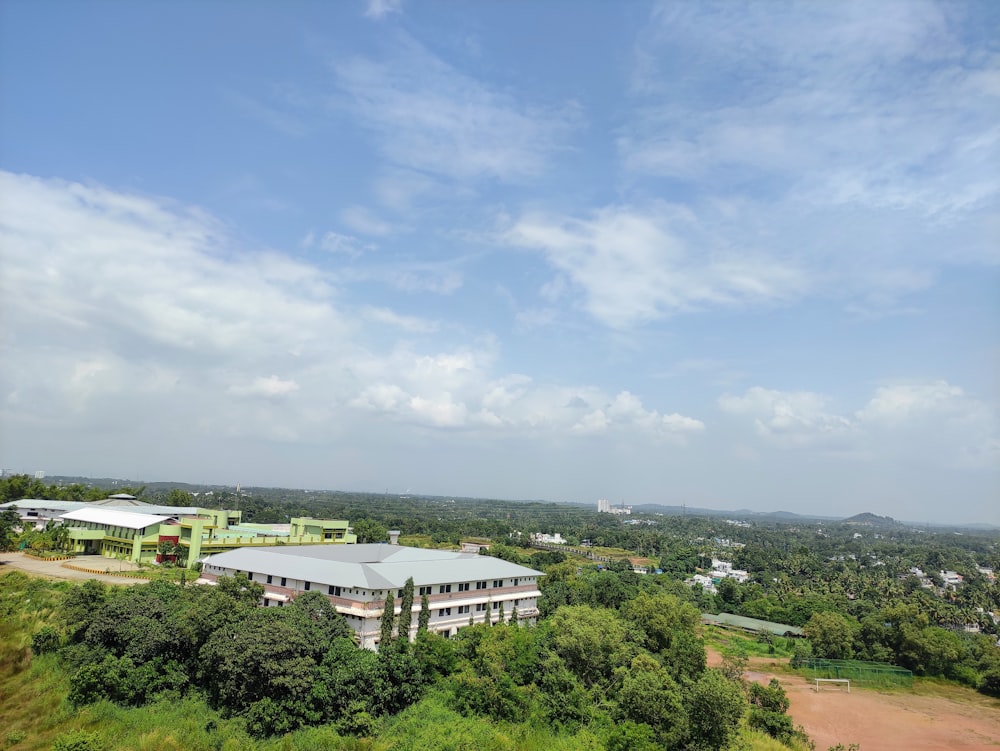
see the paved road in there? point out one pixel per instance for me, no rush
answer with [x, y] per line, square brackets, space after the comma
[56, 570]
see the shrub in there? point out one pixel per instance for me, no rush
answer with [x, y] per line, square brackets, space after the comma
[45, 640]
[78, 741]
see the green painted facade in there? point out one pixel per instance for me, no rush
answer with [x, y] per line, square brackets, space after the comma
[211, 531]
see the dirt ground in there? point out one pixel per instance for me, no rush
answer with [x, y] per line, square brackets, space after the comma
[57, 569]
[895, 721]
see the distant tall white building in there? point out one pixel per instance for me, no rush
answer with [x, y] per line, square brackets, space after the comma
[604, 507]
[40, 474]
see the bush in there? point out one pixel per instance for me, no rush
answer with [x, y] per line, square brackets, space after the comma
[45, 640]
[78, 741]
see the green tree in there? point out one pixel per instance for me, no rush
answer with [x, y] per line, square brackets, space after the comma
[10, 520]
[591, 641]
[178, 497]
[831, 636]
[715, 708]
[320, 617]
[266, 659]
[388, 620]
[768, 708]
[425, 614]
[406, 611]
[240, 589]
[369, 530]
[648, 695]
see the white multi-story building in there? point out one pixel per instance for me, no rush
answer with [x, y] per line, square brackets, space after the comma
[461, 588]
[724, 570]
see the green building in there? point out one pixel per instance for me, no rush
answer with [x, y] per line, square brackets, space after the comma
[189, 534]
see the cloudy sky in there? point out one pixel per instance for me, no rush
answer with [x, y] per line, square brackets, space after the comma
[730, 255]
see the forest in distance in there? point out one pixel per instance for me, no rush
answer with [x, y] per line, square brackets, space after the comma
[616, 661]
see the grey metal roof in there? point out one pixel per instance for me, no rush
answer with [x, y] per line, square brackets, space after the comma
[371, 566]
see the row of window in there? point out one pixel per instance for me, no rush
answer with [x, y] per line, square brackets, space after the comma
[464, 609]
[462, 587]
[425, 590]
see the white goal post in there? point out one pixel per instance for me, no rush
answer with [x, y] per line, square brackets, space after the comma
[833, 680]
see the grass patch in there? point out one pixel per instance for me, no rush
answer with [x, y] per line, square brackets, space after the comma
[754, 740]
[730, 643]
[431, 724]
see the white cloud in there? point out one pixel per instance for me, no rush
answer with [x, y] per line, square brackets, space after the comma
[833, 103]
[412, 324]
[412, 277]
[637, 265]
[626, 409]
[457, 390]
[427, 116]
[334, 242]
[365, 221]
[896, 403]
[930, 421]
[379, 9]
[168, 311]
[790, 418]
[270, 387]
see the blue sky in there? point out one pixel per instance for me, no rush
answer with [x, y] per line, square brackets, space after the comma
[724, 254]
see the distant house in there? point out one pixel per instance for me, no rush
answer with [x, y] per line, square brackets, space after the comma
[951, 579]
[705, 582]
[724, 570]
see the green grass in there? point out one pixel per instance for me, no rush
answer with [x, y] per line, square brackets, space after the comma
[431, 724]
[730, 643]
[754, 740]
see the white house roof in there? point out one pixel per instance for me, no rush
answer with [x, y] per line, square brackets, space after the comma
[372, 566]
[114, 518]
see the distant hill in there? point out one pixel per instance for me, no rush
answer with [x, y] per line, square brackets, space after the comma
[872, 520]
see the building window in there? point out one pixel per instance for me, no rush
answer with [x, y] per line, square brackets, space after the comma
[463, 587]
[284, 582]
[425, 591]
[443, 612]
[498, 582]
[269, 577]
[463, 609]
[514, 582]
[332, 590]
[307, 586]
[480, 585]
[480, 607]
[444, 588]
[399, 593]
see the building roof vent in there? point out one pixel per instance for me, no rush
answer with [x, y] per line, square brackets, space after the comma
[394, 537]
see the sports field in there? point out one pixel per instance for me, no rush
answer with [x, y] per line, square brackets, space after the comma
[928, 717]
